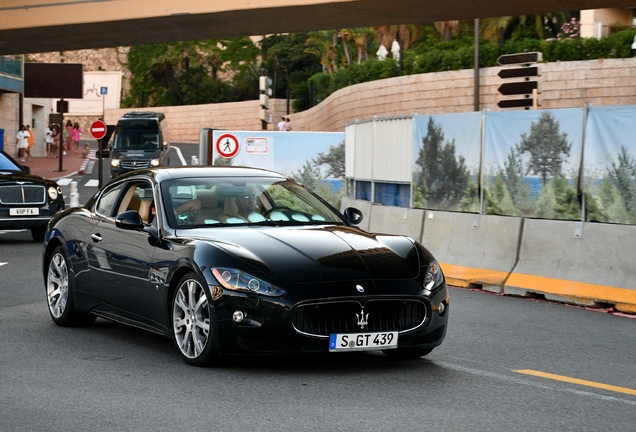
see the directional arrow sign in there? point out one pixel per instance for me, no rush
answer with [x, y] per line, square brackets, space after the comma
[515, 103]
[522, 58]
[519, 88]
[520, 72]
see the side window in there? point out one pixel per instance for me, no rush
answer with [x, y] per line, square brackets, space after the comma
[107, 201]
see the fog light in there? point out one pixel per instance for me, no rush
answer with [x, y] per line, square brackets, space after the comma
[238, 316]
[442, 308]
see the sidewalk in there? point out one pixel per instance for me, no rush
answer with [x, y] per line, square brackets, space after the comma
[72, 164]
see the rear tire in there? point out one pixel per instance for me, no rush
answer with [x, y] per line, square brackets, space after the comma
[407, 353]
[59, 291]
[192, 326]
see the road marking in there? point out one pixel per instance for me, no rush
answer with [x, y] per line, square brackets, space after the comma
[180, 155]
[529, 383]
[64, 181]
[92, 183]
[1, 264]
[577, 381]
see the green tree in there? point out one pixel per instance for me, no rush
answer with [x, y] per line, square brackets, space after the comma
[623, 176]
[512, 175]
[547, 147]
[335, 158]
[443, 177]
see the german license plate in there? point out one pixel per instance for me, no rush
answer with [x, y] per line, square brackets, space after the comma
[30, 211]
[363, 341]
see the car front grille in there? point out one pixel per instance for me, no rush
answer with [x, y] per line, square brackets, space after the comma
[323, 319]
[130, 165]
[22, 194]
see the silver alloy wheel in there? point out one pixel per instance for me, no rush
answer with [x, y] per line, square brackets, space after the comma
[191, 318]
[57, 285]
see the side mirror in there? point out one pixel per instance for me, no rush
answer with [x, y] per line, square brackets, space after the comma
[130, 220]
[165, 145]
[353, 215]
[25, 169]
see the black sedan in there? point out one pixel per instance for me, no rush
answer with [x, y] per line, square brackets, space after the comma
[27, 201]
[228, 261]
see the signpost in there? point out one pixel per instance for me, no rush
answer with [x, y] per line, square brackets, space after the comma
[521, 68]
[102, 133]
[98, 129]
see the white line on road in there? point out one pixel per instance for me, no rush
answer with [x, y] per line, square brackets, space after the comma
[64, 181]
[181, 158]
[92, 183]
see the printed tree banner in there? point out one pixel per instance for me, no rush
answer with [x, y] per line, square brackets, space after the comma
[531, 163]
[315, 159]
[609, 175]
[446, 156]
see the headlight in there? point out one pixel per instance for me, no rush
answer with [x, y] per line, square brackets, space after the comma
[155, 162]
[53, 192]
[237, 280]
[434, 276]
[114, 162]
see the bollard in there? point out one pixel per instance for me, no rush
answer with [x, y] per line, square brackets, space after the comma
[74, 196]
[194, 160]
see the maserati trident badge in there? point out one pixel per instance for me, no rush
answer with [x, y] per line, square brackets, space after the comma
[362, 319]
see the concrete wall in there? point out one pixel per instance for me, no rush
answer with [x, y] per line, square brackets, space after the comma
[565, 85]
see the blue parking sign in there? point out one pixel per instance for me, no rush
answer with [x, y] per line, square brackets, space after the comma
[103, 90]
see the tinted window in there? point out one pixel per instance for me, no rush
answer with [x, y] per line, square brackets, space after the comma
[7, 165]
[196, 202]
[107, 200]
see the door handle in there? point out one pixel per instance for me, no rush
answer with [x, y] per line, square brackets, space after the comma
[96, 237]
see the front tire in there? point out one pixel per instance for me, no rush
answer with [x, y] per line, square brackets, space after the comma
[192, 325]
[59, 291]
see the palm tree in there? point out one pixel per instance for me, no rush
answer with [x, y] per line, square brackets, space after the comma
[320, 44]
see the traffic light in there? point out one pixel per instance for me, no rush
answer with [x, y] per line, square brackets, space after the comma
[521, 68]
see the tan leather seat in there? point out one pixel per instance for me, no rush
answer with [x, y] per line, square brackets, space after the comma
[144, 210]
[209, 204]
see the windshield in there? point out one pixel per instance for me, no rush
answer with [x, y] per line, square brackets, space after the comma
[136, 140]
[197, 202]
[7, 164]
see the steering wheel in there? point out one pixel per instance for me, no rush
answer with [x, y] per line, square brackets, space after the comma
[268, 212]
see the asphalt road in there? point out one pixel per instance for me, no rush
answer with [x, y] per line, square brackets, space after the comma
[109, 377]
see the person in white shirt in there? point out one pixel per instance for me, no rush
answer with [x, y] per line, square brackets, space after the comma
[22, 142]
[48, 140]
[287, 125]
[281, 124]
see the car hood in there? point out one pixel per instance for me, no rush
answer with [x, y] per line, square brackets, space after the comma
[331, 253]
[19, 176]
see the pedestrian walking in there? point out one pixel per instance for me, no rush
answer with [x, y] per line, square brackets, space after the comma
[22, 141]
[56, 140]
[77, 135]
[31, 142]
[48, 140]
[69, 135]
[287, 126]
[281, 124]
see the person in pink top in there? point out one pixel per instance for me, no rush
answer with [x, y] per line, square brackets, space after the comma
[77, 134]
[69, 135]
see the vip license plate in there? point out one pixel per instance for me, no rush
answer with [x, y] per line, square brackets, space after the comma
[24, 211]
[363, 341]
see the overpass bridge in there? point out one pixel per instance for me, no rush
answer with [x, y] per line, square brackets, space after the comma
[33, 26]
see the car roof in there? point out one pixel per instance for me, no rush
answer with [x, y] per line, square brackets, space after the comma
[167, 173]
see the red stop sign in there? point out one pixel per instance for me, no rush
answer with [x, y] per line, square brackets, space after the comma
[98, 129]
